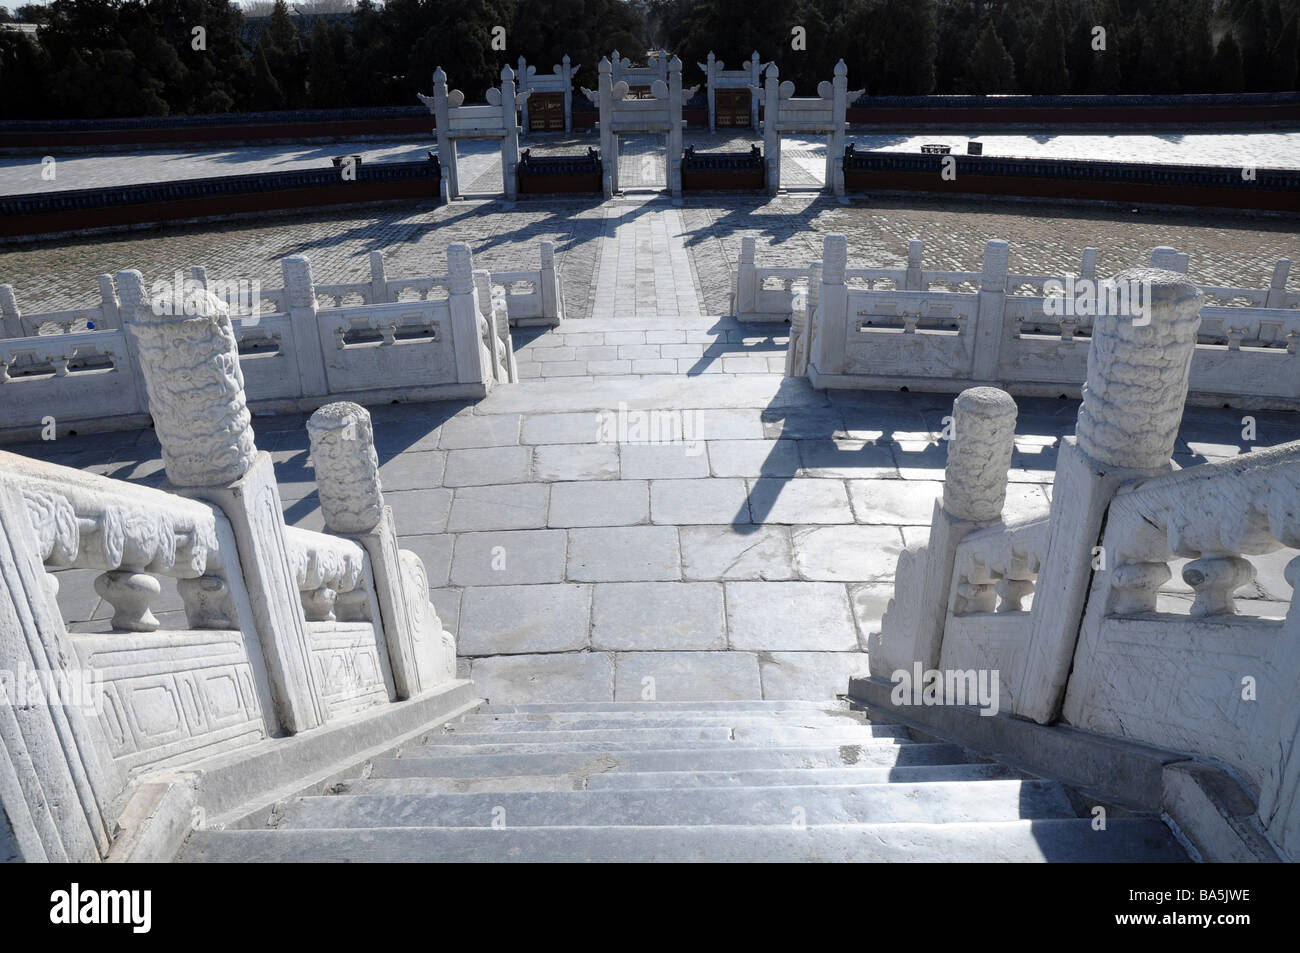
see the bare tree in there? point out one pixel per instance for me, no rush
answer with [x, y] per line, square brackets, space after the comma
[323, 6]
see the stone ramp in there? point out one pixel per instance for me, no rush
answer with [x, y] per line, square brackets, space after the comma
[751, 781]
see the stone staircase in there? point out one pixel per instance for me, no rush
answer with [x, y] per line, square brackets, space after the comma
[684, 781]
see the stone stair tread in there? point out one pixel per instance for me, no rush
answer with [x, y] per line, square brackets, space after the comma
[940, 801]
[616, 722]
[647, 780]
[1125, 840]
[599, 759]
[718, 734]
[755, 705]
[592, 748]
[793, 777]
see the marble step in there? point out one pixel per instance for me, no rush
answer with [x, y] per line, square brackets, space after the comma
[1125, 840]
[756, 705]
[506, 723]
[659, 780]
[758, 734]
[941, 802]
[777, 777]
[600, 759]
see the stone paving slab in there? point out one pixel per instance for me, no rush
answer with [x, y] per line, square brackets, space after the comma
[730, 552]
[513, 620]
[624, 554]
[796, 675]
[791, 616]
[658, 616]
[699, 501]
[567, 677]
[497, 507]
[686, 676]
[600, 503]
[506, 558]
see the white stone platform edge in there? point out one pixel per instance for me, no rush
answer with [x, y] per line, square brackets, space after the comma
[242, 787]
[1207, 808]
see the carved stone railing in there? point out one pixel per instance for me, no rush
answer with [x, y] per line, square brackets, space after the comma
[132, 534]
[1215, 514]
[1099, 646]
[328, 571]
[291, 359]
[925, 339]
[285, 630]
[996, 568]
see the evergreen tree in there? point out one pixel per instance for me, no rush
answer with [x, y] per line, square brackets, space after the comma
[325, 85]
[959, 30]
[1197, 49]
[1226, 69]
[266, 92]
[1283, 61]
[1045, 69]
[991, 69]
[1250, 24]
[284, 56]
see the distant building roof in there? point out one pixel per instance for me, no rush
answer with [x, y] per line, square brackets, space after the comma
[29, 28]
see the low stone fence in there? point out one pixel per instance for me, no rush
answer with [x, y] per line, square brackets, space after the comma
[1269, 190]
[548, 175]
[1065, 606]
[878, 328]
[76, 210]
[385, 339]
[274, 126]
[284, 631]
[717, 171]
[1198, 110]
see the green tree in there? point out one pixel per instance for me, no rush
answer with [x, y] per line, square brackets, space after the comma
[1283, 60]
[1045, 67]
[1226, 70]
[266, 92]
[284, 55]
[325, 80]
[991, 69]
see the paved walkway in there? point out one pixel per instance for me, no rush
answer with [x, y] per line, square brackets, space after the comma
[645, 270]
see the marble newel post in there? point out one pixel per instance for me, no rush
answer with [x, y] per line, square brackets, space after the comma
[1138, 372]
[982, 438]
[422, 655]
[191, 368]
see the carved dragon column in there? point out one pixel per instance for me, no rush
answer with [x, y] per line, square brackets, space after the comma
[190, 363]
[1139, 365]
[421, 653]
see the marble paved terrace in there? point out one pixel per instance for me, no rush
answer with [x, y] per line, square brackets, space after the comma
[654, 507]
